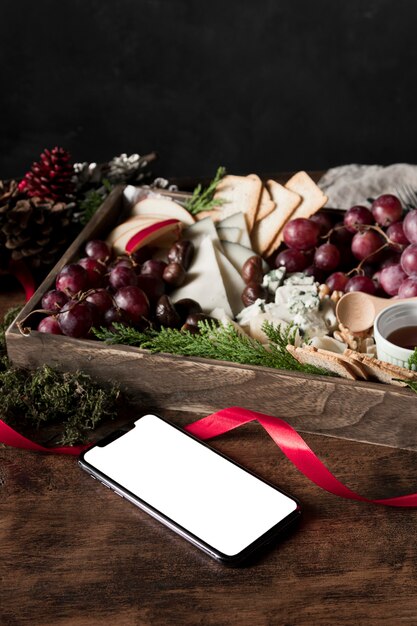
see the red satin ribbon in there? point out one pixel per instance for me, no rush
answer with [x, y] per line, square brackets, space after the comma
[21, 272]
[286, 438]
[12, 438]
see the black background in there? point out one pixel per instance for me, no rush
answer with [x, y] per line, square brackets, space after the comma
[255, 86]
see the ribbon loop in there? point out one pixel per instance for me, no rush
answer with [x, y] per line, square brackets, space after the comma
[285, 437]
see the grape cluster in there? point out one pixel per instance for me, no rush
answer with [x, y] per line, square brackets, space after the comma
[133, 290]
[373, 250]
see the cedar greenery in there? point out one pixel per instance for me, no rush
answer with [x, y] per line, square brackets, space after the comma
[223, 343]
[71, 402]
[202, 199]
[92, 201]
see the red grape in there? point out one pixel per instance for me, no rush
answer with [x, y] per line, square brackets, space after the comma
[53, 300]
[318, 274]
[396, 233]
[143, 254]
[366, 244]
[360, 283]
[341, 237]
[102, 299]
[390, 258]
[76, 318]
[98, 250]
[49, 325]
[324, 222]
[153, 287]
[410, 226]
[391, 278]
[72, 279]
[357, 216]
[301, 234]
[337, 281]
[153, 268]
[409, 260]
[327, 257]
[408, 288]
[293, 260]
[134, 303]
[113, 315]
[121, 276]
[94, 269]
[386, 209]
[122, 260]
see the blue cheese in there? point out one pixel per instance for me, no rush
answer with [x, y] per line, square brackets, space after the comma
[274, 279]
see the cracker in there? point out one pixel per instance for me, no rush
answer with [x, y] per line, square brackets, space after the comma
[312, 196]
[241, 194]
[267, 230]
[266, 204]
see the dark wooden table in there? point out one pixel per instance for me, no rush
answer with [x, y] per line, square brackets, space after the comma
[72, 553]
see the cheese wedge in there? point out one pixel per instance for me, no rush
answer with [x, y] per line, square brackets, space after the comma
[203, 228]
[232, 280]
[237, 220]
[204, 282]
[229, 234]
[238, 255]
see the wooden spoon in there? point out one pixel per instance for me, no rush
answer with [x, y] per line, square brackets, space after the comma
[357, 310]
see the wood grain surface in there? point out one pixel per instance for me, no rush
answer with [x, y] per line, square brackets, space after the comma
[74, 554]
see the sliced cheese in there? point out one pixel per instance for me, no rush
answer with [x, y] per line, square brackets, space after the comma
[203, 228]
[204, 282]
[237, 220]
[238, 255]
[232, 281]
[229, 234]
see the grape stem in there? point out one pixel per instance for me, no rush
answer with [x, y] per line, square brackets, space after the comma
[24, 330]
[361, 228]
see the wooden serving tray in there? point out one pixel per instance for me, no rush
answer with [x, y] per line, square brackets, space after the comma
[361, 411]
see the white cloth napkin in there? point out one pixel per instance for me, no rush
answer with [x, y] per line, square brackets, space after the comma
[348, 185]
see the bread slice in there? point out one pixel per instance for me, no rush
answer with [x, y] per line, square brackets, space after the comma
[312, 196]
[241, 193]
[267, 230]
[381, 370]
[308, 355]
[355, 366]
[266, 204]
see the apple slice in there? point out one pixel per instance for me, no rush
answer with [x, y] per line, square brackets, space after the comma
[131, 224]
[152, 233]
[161, 206]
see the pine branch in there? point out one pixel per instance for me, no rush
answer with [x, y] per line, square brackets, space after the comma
[223, 343]
[92, 201]
[202, 199]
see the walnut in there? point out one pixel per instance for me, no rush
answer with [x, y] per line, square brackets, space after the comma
[361, 342]
[336, 295]
[324, 291]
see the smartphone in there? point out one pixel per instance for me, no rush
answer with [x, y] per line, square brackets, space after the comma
[213, 502]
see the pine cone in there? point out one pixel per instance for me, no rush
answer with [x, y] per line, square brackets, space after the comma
[126, 169]
[32, 229]
[51, 177]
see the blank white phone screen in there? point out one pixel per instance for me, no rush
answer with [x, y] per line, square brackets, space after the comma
[215, 500]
